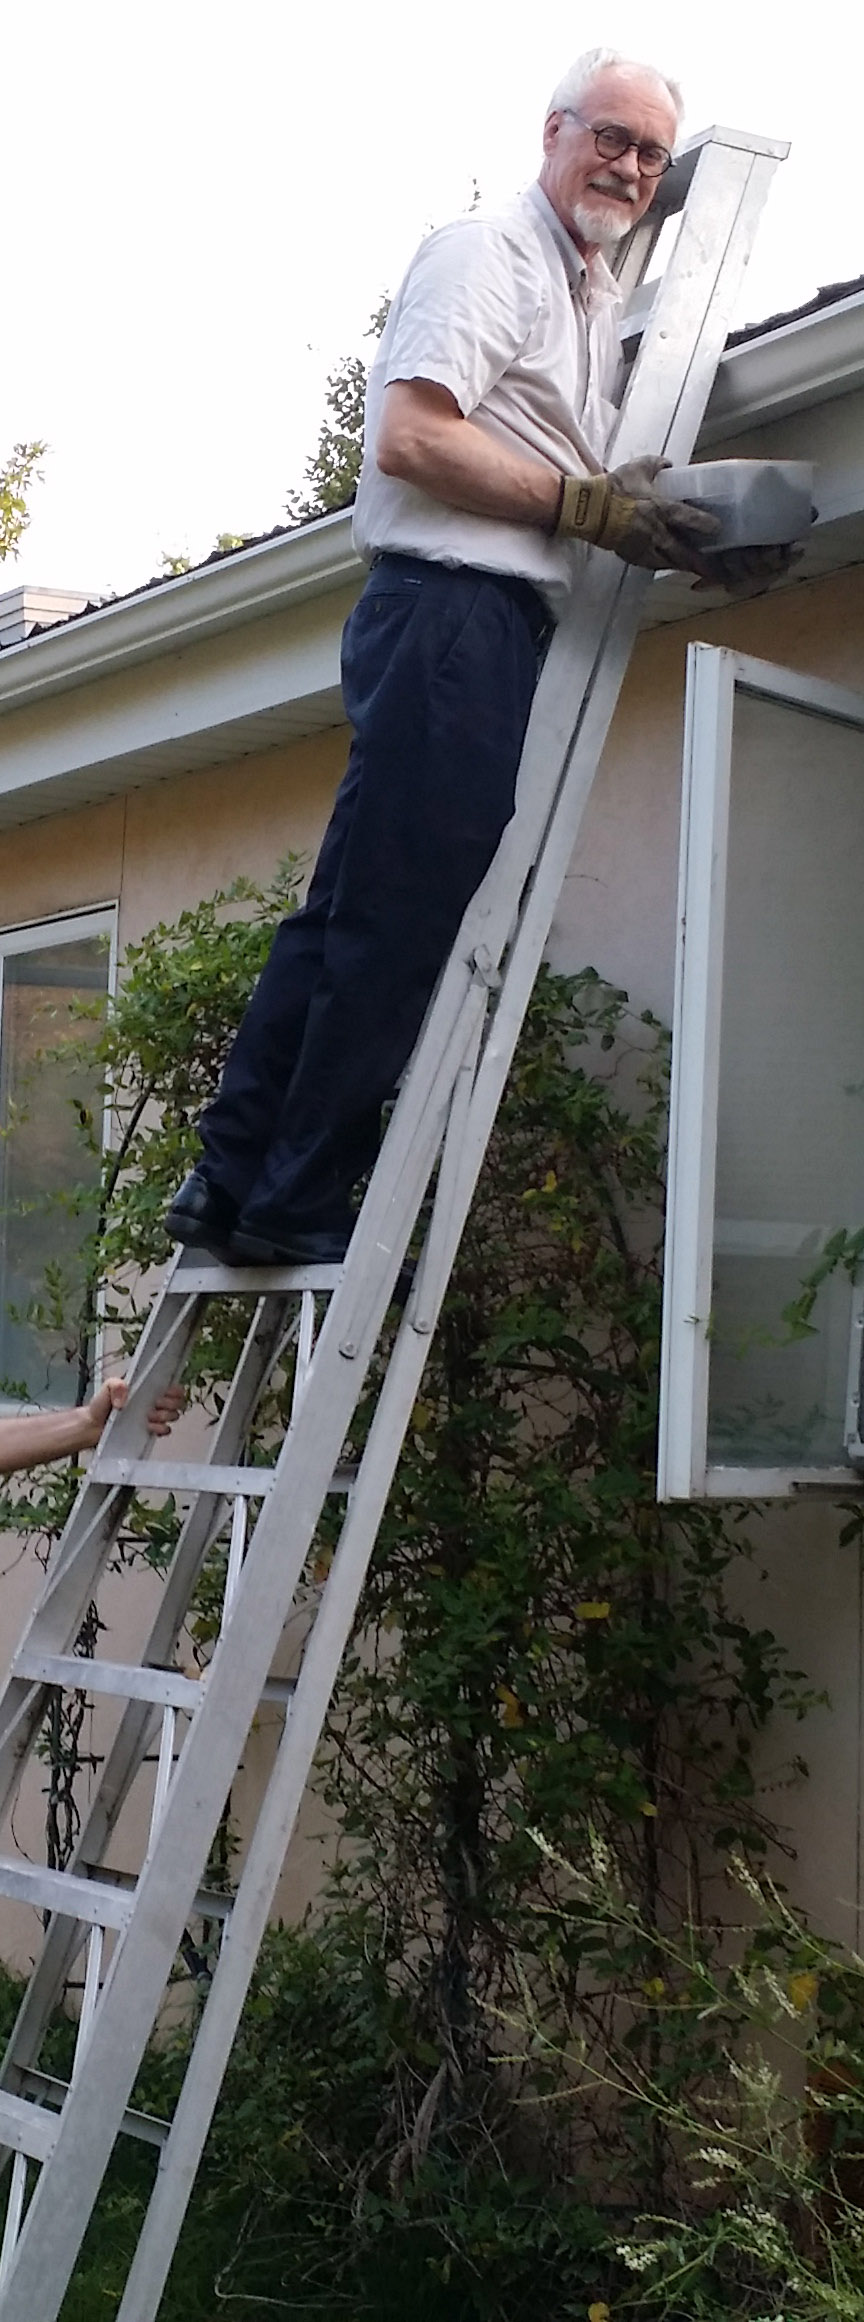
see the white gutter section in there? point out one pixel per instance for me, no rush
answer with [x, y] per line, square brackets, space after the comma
[808, 361]
[243, 587]
[805, 362]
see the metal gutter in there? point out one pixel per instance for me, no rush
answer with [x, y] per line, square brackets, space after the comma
[811, 360]
[243, 587]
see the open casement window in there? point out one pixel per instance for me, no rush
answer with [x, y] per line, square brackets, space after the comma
[45, 970]
[763, 1303]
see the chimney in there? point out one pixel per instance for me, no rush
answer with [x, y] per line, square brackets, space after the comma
[24, 609]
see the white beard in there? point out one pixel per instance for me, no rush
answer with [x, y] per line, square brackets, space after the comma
[597, 223]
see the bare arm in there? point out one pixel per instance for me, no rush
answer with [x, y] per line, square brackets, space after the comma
[424, 440]
[59, 1434]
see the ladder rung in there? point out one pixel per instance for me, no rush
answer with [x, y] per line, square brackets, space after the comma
[184, 1475]
[281, 1689]
[99, 1904]
[168, 1687]
[145, 2125]
[27, 2128]
[205, 1274]
[207, 1904]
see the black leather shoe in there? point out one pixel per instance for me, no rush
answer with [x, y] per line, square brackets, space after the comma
[309, 1246]
[318, 1246]
[200, 1216]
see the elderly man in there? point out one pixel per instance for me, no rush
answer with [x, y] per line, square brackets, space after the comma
[488, 414]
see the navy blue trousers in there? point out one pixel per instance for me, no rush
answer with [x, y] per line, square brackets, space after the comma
[438, 671]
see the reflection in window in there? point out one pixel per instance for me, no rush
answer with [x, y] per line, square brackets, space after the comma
[43, 1155]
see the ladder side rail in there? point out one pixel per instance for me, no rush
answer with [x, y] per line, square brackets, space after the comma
[58, 2212]
[729, 184]
[96, 1518]
[133, 1735]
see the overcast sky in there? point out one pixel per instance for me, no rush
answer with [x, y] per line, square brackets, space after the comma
[203, 204]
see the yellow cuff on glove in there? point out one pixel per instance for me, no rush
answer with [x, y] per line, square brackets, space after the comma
[584, 513]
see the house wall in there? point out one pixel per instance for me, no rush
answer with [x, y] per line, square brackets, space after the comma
[159, 847]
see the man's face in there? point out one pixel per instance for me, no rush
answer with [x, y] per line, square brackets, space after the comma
[599, 200]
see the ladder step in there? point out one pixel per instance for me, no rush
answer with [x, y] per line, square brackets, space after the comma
[145, 2125]
[27, 2128]
[183, 1475]
[93, 1900]
[281, 1689]
[208, 1903]
[205, 1274]
[130, 1681]
[168, 1687]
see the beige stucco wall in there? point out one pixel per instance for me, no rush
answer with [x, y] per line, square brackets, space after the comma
[161, 846]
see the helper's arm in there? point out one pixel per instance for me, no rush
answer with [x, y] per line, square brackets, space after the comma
[59, 1434]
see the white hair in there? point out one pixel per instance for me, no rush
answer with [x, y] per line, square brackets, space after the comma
[571, 89]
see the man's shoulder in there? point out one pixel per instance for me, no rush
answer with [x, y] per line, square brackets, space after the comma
[514, 223]
[494, 247]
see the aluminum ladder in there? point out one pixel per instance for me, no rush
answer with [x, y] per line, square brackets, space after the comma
[128, 1929]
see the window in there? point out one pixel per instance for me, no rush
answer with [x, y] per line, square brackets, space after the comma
[766, 1165]
[43, 970]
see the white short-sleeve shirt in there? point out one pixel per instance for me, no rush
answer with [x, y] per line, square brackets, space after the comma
[502, 310]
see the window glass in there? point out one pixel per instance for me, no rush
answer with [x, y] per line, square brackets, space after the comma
[42, 1154]
[790, 1149]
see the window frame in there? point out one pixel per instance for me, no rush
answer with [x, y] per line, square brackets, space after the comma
[714, 675]
[76, 925]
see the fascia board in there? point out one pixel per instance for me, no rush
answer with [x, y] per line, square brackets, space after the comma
[195, 605]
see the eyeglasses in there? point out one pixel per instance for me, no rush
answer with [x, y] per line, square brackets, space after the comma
[612, 139]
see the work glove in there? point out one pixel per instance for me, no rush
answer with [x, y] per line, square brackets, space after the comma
[745, 572]
[622, 512]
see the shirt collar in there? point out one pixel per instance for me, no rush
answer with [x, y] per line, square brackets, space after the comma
[594, 283]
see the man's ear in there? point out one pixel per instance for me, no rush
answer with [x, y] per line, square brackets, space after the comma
[551, 127]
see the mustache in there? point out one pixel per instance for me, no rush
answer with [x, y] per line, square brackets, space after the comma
[622, 191]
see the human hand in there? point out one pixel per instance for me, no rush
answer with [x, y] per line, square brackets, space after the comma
[622, 512]
[112, 1396]
[654, 532]
[97, 1412]
[167, 1408]
[745, 572]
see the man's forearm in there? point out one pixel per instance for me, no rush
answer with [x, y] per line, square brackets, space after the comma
[425, 441]
[47, 1435]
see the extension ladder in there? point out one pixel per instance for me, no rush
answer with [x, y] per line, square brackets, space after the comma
[128, 1930]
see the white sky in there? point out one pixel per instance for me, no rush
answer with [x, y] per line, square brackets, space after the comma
[204, 202]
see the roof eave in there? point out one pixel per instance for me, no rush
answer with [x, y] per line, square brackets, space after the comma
[810, 360]
[241, 587]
